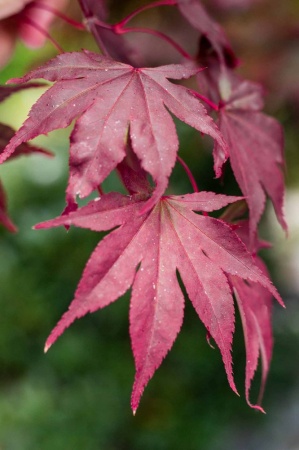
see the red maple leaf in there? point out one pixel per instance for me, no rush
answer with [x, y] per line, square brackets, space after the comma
[210, 30]
[255, 147]
[255, 306]
[6, 133]
[6, 91]
[113, 99]
[145, 252]
[4, 217]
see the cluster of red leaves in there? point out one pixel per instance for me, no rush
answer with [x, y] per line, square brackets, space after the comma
[123, 122]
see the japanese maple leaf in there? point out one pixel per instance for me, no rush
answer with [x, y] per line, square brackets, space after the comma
[133, 177]
[111, 100]
[145, 252]
[6, 91]
[255, 306]
[255, 147]
[210, 30]
[4, 217]
[6, 133]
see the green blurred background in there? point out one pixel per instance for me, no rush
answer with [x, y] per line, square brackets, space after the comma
[78, 395]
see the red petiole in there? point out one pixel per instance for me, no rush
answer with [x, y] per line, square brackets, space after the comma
[130, 16]
[189, 173]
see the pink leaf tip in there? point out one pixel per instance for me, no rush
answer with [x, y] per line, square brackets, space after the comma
[47, 347]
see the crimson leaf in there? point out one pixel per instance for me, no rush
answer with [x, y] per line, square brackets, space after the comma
[108, 96]
[145, 251]
[6, 91]
[255, 147]
[134, 178]
[4, 218]
[210, 30]
[255, 306]
[6, 133]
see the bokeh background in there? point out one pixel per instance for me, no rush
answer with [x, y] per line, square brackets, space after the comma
[78, 395]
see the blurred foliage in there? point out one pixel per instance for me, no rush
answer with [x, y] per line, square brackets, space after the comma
[77, 396]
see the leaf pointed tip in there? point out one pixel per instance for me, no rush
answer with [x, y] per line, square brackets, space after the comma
[39, 226]
[279, 299]
[231, 382]
[283, 305]
[47, 347]
[256, 407]
[135, 400]
[12, 81]
[11, 227]
[134, 407]
[236, 392]
[233, 386]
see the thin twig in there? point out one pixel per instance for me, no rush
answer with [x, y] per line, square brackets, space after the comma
[158, 34]
[130, 16]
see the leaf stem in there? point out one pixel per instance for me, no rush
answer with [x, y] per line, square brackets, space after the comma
[205, 99]
[189, 173]
[35, 25]
[156, 33]
[57, 13]
[100, 189]
[90, 22]
[130, 16]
